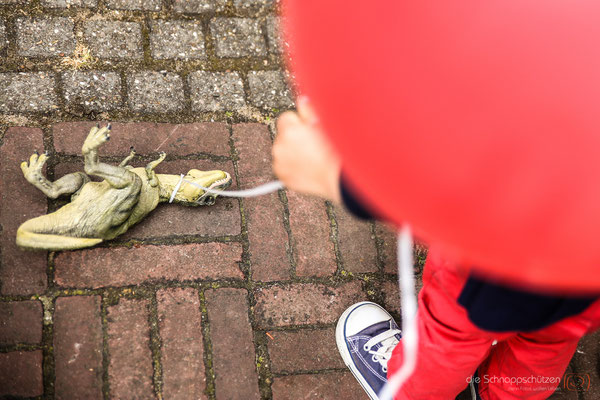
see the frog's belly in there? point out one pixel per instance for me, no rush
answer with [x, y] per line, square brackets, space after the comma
[98, 210]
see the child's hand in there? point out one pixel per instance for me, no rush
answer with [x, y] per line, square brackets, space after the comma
[302, 158]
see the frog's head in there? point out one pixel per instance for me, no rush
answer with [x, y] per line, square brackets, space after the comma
[192, 195]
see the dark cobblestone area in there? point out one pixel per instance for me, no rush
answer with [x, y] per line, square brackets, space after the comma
[45, 37]
[95, 90]
[234, 301]
[114, 39]
[181, 40]
[227, 43]
[238, 37]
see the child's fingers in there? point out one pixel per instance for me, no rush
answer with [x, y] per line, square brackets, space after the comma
[306, 111]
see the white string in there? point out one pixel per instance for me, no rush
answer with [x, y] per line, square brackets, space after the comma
[256, 191]
[176, 188]
[410, 335]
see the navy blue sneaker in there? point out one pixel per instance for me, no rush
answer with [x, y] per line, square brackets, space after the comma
[366, 335]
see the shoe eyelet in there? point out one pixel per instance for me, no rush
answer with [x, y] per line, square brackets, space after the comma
[384, 369]
[366, 348]
[374, 358]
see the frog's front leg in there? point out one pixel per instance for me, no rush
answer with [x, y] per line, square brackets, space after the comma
[68, 184]
[128, 158]
[152, 179]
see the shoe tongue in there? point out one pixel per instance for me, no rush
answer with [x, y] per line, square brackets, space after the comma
[378, 328]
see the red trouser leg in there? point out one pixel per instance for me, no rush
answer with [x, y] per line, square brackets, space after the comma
[530, 365]
[451, 348]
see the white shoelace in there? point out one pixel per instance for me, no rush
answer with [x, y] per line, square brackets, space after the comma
[387, 341]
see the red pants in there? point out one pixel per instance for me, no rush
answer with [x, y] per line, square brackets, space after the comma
[451, 348]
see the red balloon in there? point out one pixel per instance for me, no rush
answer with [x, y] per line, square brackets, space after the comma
[476, 122]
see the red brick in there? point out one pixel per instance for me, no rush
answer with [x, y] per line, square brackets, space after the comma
[147, 137]
[253, 146]
[78, 347]
[221, 219]
[389, 245]
[233, 348]
[356, 243]
[391, 292]
[389, 250]
[267, 237]
[21, 373]
[22, 272]
[131, 266]
[304, 350]
[130, 368]
[314, 251]
[328, 386]
[182, 347]
[63, 169]
[304, 303]
[264, 215]
[20, 322]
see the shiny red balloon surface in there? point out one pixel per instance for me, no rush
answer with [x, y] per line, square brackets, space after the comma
[477, 122]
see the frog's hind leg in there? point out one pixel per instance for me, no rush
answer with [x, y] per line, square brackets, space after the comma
[116, 176]
[68, 184]
[152, 179]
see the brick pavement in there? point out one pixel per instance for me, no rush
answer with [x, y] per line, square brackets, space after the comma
[238, 300]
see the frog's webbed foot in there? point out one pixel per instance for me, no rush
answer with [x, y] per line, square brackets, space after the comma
[68, 184]
[32, 170]
[152, 179]
[96, 138]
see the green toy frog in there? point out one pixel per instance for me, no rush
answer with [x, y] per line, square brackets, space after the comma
[101, 211]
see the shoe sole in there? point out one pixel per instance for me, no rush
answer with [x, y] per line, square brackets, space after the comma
[340, 339]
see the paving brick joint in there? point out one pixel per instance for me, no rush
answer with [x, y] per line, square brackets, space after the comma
[169, 309]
